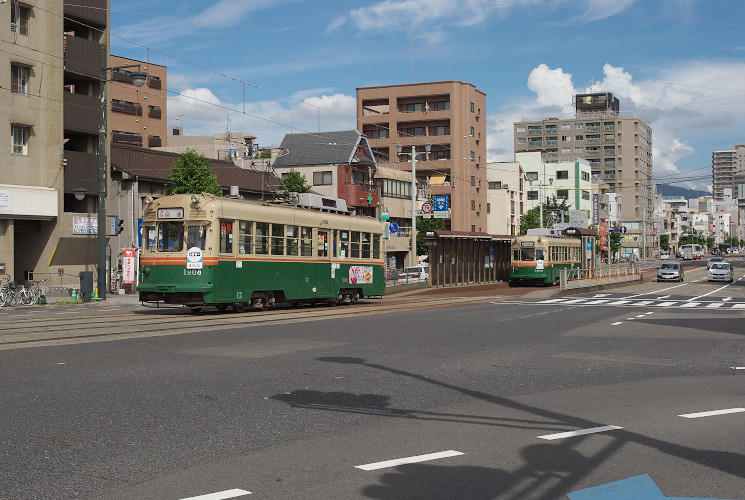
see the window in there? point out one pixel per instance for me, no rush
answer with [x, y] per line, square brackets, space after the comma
[412, 107]
[441, 105]
[365, 245]
[19, 79]
[585, 195]
[196, 236]
[552, 140]
[245, 230]
[355, 246]
[609, 162]
[566, 138]
[19, 16]
[609, 138]
[170, 236]
[535, 141]
[535, 130]
[532, 195]
[442, 155]
[609, 126]
[261, 238]
[531, 176]
[20, 136]
[473, 180]
[357, 177]
[322, 178]
[226, 236]
[609, 150]
[278, 239]
[593, 126]
[578, 126]
[522, 140]
[442, 130]
[306, 241]
[343, 239]
[520, 129]
[562, 194]
[566, 151]
[495, 185]
[412, 132]
[473, 107]
[593, 138]
[579, 137]
[565, 126]
[562, 174]
[473, 131]
[585, 176]
[473, 205]
[552, 129]
[579, 149]
[379, 133]
[322, 247]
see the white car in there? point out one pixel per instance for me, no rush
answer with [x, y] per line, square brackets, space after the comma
[414, 274]
[665, 256]
[721, 271]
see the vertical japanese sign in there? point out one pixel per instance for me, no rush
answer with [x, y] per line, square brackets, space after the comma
[596, 209]
[128, 266]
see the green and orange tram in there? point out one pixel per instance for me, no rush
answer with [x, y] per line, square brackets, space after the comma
[201, 250]
[540, 259]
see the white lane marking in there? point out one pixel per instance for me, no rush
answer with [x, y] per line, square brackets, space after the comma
[704, 295]
[220, 495]
[727, 298]
[738, 306]
[599, 301]
[640, 315]
[738, 367]
[619, 302]
[714, 305]
[601, 295]
[665, 304]
[574, 301]
[549, 301]
[616, 323]
[409, 460]
[664, 297]
[581, 432]
[650, 312]
[712, 413]
[690, 304]
[643, 302]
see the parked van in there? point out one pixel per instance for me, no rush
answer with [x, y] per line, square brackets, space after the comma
[413, 274]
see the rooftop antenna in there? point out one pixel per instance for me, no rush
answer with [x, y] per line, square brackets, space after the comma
[590, 84]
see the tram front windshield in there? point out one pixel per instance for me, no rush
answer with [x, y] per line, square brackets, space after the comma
[169, 236]
[528, 254]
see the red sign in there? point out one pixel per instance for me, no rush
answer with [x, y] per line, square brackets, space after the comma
[128, 266]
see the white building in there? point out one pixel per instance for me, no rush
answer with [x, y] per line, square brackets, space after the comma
[505, 203]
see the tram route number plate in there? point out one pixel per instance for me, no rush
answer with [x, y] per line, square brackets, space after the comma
[194, 259]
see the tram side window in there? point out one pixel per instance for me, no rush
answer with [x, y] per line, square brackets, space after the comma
[539, 254]
[278, 239]
[150, 234]
[355, 244]
[365, 238]
[292, 240]
[245, 231]
[262, 238]
[226, 236]
[170, 236]
[196, 236]
[323, 244]
[343, 244]
[306, 241]
[376, 246]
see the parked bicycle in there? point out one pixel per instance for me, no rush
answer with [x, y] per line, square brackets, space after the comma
[13, 294]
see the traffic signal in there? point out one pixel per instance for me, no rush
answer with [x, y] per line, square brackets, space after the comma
[119, 225]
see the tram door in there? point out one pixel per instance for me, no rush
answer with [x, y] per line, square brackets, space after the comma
[226, 275]
[322, 271]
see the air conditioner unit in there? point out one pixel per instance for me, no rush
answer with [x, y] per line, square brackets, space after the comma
[505, 186]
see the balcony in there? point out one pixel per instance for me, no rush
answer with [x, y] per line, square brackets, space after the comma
[92, 11]
[82, 56]
[154, 141]
[154, 112]
[126, 138]
[80, 167]
[153, 82]
[81, 113]
[128, 108]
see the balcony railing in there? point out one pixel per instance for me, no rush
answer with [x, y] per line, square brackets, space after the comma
[128, 108]
[82, 56]
[81, 113]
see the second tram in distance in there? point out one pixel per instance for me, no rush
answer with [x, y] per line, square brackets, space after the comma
[200, 250]
[540, 259]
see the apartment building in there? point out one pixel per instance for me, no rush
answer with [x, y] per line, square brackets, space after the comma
[449, 117]
[618, 150]
[54, 53]
[137, 115]
[505, 199]
[724, 166]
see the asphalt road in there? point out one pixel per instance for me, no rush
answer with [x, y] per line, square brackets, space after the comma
[442, 394]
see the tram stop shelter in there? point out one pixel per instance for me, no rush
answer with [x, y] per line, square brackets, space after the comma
[588, 244]
[459, 257]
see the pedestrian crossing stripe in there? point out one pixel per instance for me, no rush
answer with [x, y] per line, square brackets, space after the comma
[682, 303]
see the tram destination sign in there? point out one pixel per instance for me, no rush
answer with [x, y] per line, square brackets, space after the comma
[170, 213]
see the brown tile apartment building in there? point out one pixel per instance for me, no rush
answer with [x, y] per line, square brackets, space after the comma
[137, 116]
[451, 116]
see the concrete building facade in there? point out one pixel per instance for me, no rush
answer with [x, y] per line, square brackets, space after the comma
[137, 115]
[618, 150]
[450, 116]
[505, 199]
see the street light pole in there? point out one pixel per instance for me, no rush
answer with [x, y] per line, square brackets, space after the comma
[138, 80]
[399, 150]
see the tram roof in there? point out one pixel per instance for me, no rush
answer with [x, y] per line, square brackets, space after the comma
[466, 235]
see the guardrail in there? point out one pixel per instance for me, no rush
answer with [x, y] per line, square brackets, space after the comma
[599, 275]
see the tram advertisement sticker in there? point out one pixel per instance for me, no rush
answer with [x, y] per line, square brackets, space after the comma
[360, 274]
[194, 258]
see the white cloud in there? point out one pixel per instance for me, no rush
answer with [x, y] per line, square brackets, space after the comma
[695, 102]
[200, 112]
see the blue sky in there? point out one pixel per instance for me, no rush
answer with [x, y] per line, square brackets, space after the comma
[275, 66]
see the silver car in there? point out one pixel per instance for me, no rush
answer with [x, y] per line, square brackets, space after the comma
[721, 271]
[713, 261]
[672, 271]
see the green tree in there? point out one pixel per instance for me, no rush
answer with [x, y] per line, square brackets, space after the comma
[422, 226]
[665, 242]
[552, 213]
[191, 174]
[294, 182]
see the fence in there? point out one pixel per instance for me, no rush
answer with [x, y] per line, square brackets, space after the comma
[601, 275]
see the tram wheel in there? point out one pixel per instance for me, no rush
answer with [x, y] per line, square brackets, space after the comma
[239, 307]
[195, 309]
[221, 307]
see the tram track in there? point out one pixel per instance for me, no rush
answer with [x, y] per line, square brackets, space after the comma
[92, 327]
